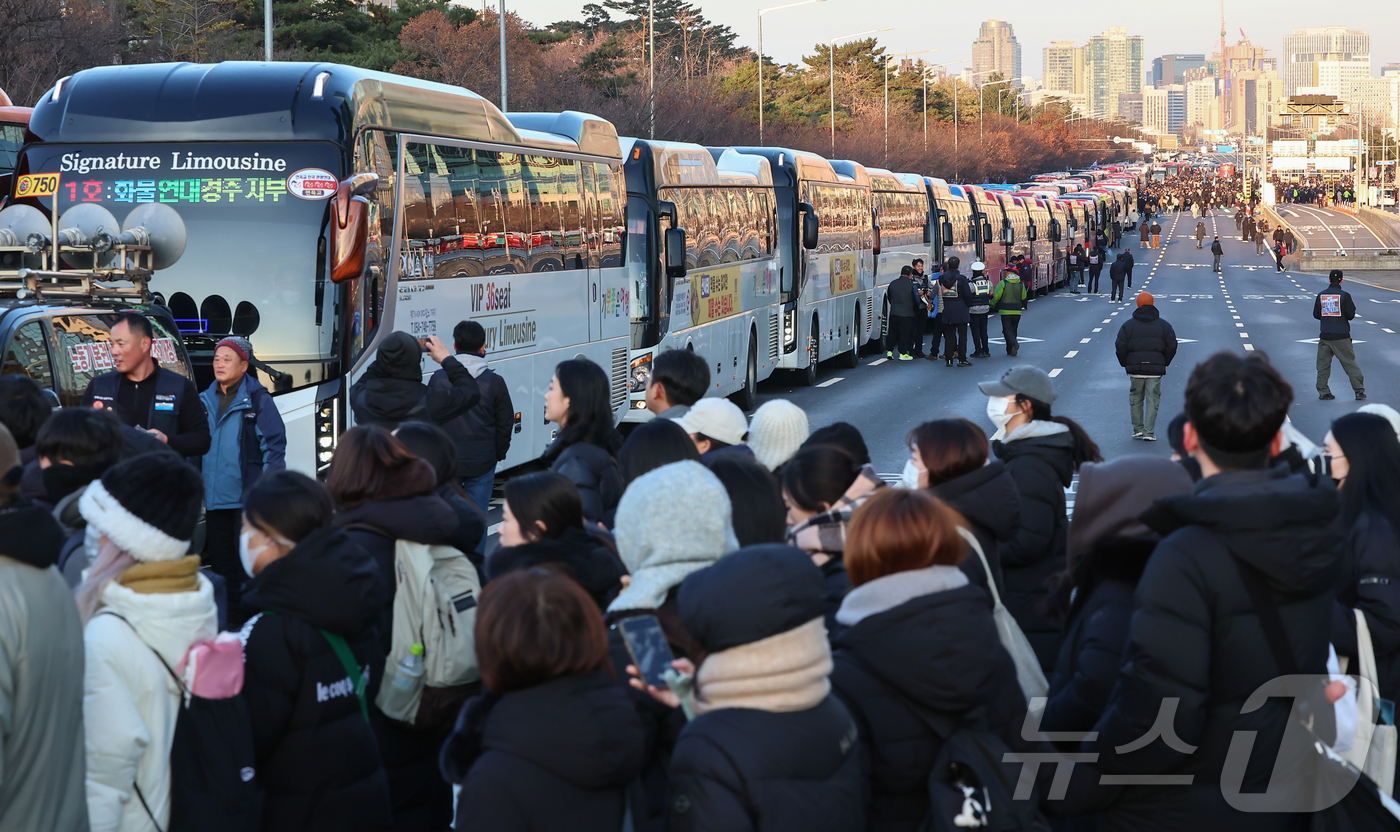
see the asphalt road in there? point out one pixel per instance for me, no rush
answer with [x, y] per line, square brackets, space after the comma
[1329, 231]
[1250, 307]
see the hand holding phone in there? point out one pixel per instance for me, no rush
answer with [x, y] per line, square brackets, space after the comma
[646, 644]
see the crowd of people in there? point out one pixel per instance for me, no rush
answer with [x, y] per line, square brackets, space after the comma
[721, 622]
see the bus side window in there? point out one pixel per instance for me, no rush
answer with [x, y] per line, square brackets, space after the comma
[571, 204]
[611, 190]
[546, 229]
[28, 354]
[464, 259]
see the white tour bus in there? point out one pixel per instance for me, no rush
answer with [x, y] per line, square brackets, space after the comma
[903, 233]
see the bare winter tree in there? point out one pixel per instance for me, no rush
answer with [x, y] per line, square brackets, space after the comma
[45, 40]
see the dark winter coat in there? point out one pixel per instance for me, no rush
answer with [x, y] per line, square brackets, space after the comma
[471, 524]
[989, 500]
[1370, 582]
[594, 471]
[1097, 629]
[1146, 343]
[1336, 322]
[1216, 249]
[900, 294]
[556, 756]
[954, 306]
[482, 433]
[1042, 467]
[1195, 637]
[586, 559]
[392, 390]
[746, 770]
[421, 800]
[1118, 272]
[942, 652]
[318, 758]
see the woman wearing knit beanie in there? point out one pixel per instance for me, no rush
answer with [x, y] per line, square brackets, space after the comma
[143, 604]
[776, 431]
[770, 747]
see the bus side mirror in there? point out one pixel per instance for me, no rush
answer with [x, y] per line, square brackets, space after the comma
[1008, 234]
[877, 240]
[928, 232]
[811, 226]
[675, 252]
[1031, 233]
[349, 231]
[947, 233]
[987, 232]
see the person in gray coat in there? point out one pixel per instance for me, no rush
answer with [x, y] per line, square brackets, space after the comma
[42, 762]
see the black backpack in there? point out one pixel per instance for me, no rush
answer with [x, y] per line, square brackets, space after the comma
[213, 782]
[971, 786]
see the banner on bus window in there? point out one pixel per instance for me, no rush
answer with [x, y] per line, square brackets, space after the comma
[96, 356]
[843, 274]
[714, 294]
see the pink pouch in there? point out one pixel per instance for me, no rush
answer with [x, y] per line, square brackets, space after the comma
[214, 669]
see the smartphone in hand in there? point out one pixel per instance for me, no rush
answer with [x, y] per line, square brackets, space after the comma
[646, 643]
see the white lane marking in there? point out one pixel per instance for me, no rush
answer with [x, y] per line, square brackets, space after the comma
[1106, 321]
[1186, 340]
[1249, 347]
[1244, 334]
[1100, 329]
[1056, 371]
[879, 362]
[1372, 323]
[1085, 340]
[831, 381]
[1236, 317]
[1071, 353]
[1239, 325]
[1391, 331]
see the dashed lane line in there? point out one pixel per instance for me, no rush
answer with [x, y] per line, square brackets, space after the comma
[832, 381]
[1071, 353]
[1055, 372]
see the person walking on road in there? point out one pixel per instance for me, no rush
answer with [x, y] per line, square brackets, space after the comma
[1258, 240]
[1127, 256]
[1278, 257]
[954, 292]
[901, 295]
[1335, 309]
[978, 308]
[1009, 299]
[1095, 268]
[1290, 242]
[1146, 345]
[1076, 269]
[1117, 275]
[1200, 233]
[1144, 234]
[1248, 233]
[1217, 252]
[1156, 234]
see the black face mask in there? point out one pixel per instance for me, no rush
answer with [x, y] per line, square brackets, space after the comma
[62, 480]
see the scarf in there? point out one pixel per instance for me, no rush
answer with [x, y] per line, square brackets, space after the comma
[825, 533]
[782, 673]
[163, 576]
[887, 592]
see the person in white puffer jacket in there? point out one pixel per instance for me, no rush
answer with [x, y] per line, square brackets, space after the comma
[142, 602]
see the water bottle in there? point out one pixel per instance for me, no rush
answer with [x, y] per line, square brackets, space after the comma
[399, 696]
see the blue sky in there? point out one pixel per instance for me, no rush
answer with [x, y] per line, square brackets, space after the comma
[1182, 26]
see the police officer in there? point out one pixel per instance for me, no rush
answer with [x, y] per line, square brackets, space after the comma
[979, 307]
[921, 294]
[1334, 308]
[146, 395]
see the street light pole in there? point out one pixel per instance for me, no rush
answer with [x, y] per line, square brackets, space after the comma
[889, 58]
[831, 74]
[982, 107]
[761, 13]
[651, 64]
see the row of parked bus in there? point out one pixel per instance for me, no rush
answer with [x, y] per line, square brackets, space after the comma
[562, 238]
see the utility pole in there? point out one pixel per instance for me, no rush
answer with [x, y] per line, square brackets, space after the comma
[761, 13]
[267, 30]
[502, 22]
[651, 64]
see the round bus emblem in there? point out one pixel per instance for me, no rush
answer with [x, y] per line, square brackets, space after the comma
[312, 183]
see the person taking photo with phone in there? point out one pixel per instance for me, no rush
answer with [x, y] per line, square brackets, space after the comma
[392, 390]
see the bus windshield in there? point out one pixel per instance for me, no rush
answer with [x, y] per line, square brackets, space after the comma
[253, 215]
[11, 140]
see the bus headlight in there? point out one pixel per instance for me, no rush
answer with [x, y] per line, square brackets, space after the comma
[327, 433]
[639, 371]
[789, 330]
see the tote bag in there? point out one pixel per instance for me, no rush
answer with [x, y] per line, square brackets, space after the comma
[1028, 672]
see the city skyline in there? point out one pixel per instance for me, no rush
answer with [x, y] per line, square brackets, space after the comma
[788, 35]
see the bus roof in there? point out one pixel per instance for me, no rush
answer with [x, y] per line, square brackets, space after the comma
[806, 166]
[884, 180]
[256, 101]
[851, 171]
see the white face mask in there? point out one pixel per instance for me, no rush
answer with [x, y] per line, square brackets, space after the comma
[910, 478]
[250, 556]
[996, 411]
[92, 542]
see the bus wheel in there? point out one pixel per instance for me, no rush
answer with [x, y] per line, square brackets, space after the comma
[747, 397]
[807, 376]
[850, 359]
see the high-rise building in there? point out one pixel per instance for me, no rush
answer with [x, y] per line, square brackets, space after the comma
[1164, 109]
[1254, 105]
[1064, 68]
[996, 50]
[1200, 98]
[1378, 99]
[1112, 67]
[1241, 58]
[1130, 106]
[1388, 70]
[1346, 51]
[1171, 69]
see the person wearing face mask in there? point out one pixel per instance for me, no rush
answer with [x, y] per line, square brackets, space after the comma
[1041, 453]
[1365, 461]
[319, 593]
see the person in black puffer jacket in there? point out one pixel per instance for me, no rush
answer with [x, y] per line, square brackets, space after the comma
[432, 444]
[917, 632]
[555, 740]
[384, 494]
[770, 748]
[954, 293]
[543, 524]
[1041, 453]
[309, 580]
[392, 390]
[1146, 345]
[1196, 641]
[1108, 549]
[586, 450]
[951, 458]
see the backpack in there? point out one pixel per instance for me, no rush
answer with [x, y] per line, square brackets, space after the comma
[213, 765]
[435, 595]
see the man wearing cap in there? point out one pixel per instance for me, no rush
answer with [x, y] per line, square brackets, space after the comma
[1334, 308]
[1146, 345]
[979, 306]
[146, 395]
[248, 439]
[718, 428]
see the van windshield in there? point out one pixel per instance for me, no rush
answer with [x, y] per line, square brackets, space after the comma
[253, 215]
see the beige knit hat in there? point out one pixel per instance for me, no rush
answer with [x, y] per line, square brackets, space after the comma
[776, 431]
